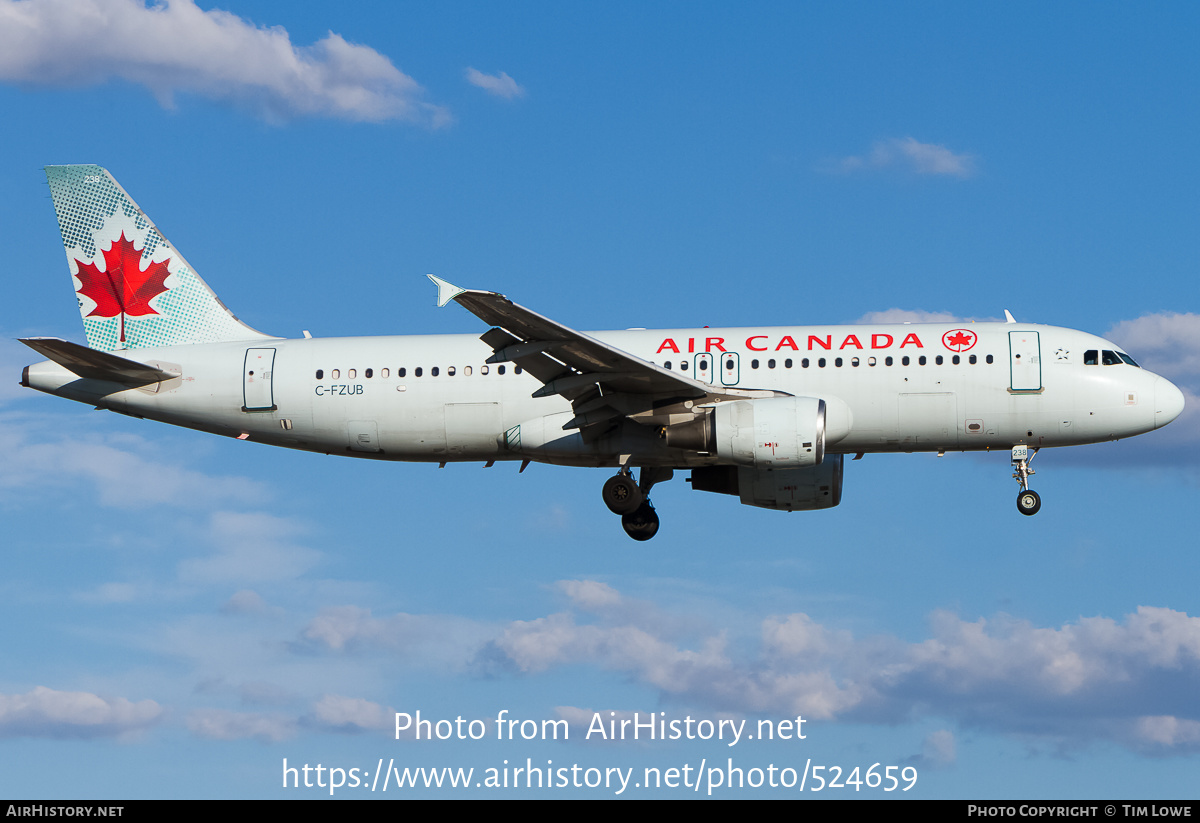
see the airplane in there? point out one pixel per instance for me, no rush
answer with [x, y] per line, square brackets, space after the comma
[765, 414]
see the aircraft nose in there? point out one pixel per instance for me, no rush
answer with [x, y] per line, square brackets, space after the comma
[1168, 402]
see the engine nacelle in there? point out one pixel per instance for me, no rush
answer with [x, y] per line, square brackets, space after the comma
[771, 433]
[793, 490]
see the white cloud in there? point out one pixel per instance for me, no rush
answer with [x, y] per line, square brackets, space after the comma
[501, 85]
[591, 595]
[176, 47]
[251, 547]
[1132, 680]
[246, 601]
[445, 641]
[907, 316]
[912, 155]
[1167, 343]
[107, 593]
[45, 712]
[351, 714]
[938, 750]
[221, 724]
[124, 469]
[1167, 732]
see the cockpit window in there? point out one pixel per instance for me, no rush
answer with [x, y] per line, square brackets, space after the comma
[1109, 358]
[1127, 359]
[1089, 357]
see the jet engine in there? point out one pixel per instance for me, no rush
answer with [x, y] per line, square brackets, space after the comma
[802, 489]
[766, 433]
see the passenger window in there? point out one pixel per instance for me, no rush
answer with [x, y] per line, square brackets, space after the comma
[904, 361]
[350, 373]
[483, 369]
[989, 360]
[787, 364]
[854, 362]
[383, 373]
[956, 360]
[770, 364]
[888, 361]
[367, 374]
[938, 360]
[972, 360]
[754, 364]
[517, 370]
[335, 374]
[921, 360]
[401, 372]
[667, 365]
[804, 363]
[433, 372]
[320, 373]
[870, 361]
[499, 370]
[417, 371]
[683, 365]
[837, 361]
[821, 362]
[450, 371]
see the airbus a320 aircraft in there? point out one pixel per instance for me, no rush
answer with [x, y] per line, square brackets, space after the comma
[763, 413]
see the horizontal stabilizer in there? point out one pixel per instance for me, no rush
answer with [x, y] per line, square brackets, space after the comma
[96, 365]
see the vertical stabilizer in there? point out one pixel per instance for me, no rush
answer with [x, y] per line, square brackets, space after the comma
[134, 289]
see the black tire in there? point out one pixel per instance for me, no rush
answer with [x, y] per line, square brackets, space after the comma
[641, 524]
[1028, 502]
[621, 494]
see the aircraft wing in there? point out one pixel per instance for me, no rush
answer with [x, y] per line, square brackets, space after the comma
[602, 382]
[95, 364]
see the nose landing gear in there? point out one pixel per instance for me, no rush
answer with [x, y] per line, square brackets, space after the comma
[632, 500]
[1028, 501]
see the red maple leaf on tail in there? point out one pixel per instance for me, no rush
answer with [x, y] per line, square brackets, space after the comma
[123, 288]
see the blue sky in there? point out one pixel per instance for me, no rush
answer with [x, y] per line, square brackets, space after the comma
[185, 612]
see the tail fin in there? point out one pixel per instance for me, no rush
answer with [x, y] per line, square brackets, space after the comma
[134, 289]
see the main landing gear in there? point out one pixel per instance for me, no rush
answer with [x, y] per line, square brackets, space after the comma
[1028, 501]
[631, 500]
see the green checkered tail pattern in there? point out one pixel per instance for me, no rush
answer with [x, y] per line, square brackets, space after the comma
[134, 289]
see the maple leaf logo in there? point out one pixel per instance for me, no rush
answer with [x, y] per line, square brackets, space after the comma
[123, 288]
[959, 339]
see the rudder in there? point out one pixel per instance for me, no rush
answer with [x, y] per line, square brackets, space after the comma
[133, 288]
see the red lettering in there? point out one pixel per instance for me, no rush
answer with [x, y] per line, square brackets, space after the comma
[719, 342]
[875, 338]
[788, 342]
[826, 344]
[668, 344]
[753, 347]
[847, 342]
[912, 338]
[691, 345]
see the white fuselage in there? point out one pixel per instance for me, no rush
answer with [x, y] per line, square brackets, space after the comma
[433, 397]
